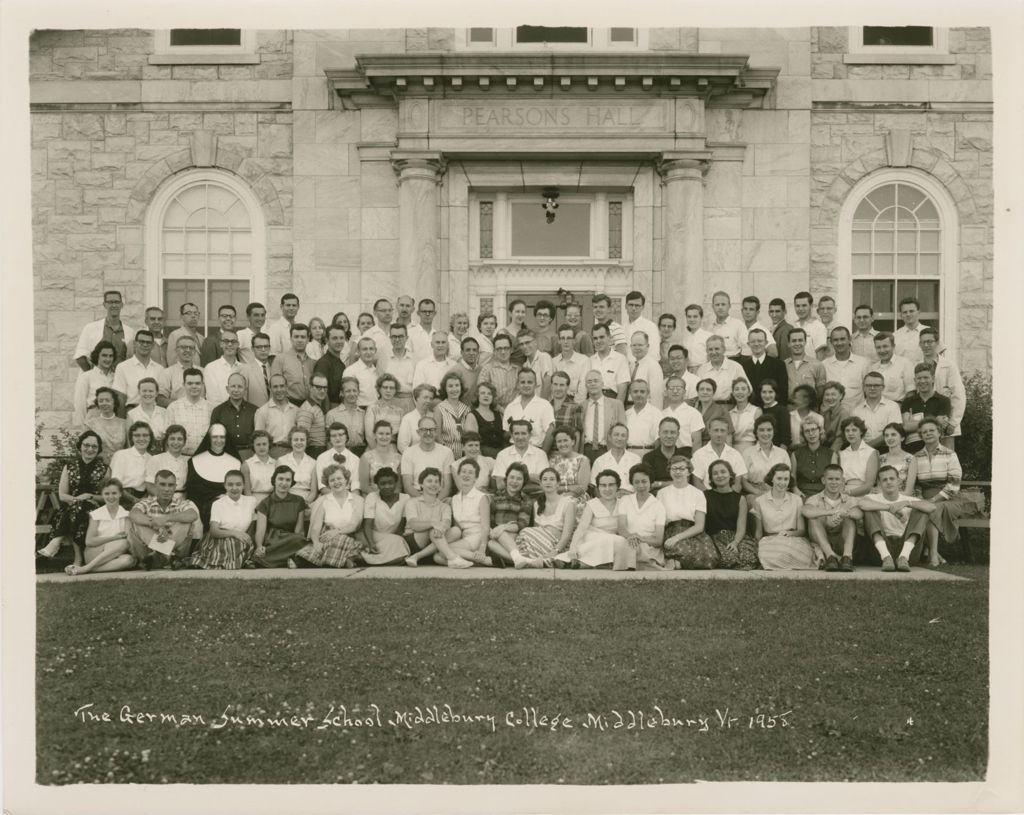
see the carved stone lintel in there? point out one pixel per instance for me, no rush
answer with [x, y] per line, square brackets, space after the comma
[204, 148]
[898, 146]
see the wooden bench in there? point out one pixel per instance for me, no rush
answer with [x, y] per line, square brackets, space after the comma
[981, 521]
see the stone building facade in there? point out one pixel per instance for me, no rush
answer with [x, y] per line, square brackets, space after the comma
[345, 165]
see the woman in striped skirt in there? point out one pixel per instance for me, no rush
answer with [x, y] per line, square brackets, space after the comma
[554, 519]
[229, 543]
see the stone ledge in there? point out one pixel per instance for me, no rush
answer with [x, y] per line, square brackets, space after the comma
[899, 59]
[204, 59]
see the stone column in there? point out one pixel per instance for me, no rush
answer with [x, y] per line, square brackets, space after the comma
[682, 174]
[419, 173]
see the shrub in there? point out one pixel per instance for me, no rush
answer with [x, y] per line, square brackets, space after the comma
[975, 447]
[61, 451]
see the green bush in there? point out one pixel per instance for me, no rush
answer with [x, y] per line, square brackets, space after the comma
[62, 450]
[974, 447]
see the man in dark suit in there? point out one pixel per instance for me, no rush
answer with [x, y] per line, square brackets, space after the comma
[211, 349]
[596, 416]
[759, 367]
[780, 327]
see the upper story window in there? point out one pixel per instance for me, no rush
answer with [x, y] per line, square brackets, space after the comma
[540, 37]
[898, 44]
[204, 45]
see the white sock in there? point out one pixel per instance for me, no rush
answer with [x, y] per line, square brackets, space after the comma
[908, 547]
[883, 550]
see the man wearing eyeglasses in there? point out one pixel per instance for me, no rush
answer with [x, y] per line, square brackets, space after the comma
[876, 410]
[421, 336]
[189, 313]
[216, 372]
[311, 416]
[210, 348]
[110, 328]
[426, 453]
[257, 372]
[136, 367]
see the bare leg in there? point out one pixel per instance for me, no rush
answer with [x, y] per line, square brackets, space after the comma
[501, 546]
[52, 548]
[108, 555]
[849, 535]
[422, 539]
[819, 537]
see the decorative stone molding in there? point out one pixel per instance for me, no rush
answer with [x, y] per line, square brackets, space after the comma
[684, 165]
[429, 166]
[898, 146]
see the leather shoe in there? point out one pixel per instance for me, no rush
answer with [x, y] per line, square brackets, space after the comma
[846, 564]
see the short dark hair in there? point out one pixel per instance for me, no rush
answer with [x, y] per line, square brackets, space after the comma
[298, 327]
[249, 309]
[668, 316]
[777, 301]
[908, 301]
[601, 298]
[191, 372]
[804, 295]
[143, 332]
[227, 307]
[752, 299]
[289, 296]
[636, 295]
[544, 305]
[863, 305]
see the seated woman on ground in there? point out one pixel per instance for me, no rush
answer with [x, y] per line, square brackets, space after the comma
[428, 519]
[106, 541]
[686, 546]
[779, 526]
[384, 520]
[573, 468]
[858, 460]
[554, 519]
[334, 524]
[129, 465]
[760, 458]
[596, 543]
[893, 435]
[471, 522]
[471, 449]
[78, 493]
[726, 519]
[642, 520]
[280, 523]
[229, 544]
[511, 510]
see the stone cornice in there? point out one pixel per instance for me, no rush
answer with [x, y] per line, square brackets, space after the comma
[719, 79]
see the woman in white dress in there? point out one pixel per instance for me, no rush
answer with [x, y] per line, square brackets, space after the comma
[596, 542]
[760, 458]
[554, 519]
[780, 527]
[893, 435]
[229, 542]
[258, 471]
[642, 520]
[334, 524]
[129, 465]
[859, 462]
[380, 454]
[150, 412]
[471, 522]
[106, 540]
[384, 520]
[303, 466]
[100, 375]
[743, 415]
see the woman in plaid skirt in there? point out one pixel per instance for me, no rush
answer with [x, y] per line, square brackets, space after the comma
[335, 520]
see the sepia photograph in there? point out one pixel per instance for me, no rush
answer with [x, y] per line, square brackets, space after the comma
[574, 407]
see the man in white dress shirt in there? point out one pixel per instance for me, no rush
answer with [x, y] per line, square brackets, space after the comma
[695, 337]
[729, 328]
[399, 362]
[691, 423]
[365, 371]
[524, 451]
[618, 458]
[863, 339]
[846, 367]
[876, 410]
[536, 360]
[430, 371]
[138, 365]
[635, 302]
[908, 335]
[421, 337]
[645, 366]
[611, 364]
[716, 448]
[531, 407]
[110, 328]
[280, 331]
[642, 419]
[216, 373]
[256, 315]
[572, 362]
[805, 319]
[380, 333]
[721, 370]
[897, 371]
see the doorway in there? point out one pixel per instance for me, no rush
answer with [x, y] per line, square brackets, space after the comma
[560, 301]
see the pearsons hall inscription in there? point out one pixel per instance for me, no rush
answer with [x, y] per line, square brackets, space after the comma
[570, 116]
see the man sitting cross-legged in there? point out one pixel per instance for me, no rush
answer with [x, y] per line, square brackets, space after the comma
[159, 519]
[895, 522]
[832, 516]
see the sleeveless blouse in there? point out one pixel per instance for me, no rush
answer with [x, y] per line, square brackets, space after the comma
[466, 511]
[723, 509]
[260, 475]
[492, 434]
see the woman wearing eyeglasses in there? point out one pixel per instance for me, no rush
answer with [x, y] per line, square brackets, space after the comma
[78, 493]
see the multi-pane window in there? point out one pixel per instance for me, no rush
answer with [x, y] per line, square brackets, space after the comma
[904, 42]
[896, 252]
[551, 37]
[227, 37]
[205, 251]
[901, 35]
[551, 34]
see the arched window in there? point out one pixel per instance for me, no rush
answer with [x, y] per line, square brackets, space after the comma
[205, 245]
[897, 239]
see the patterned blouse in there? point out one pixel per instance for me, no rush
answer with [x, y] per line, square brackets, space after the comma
[939, 468]
[506, 508]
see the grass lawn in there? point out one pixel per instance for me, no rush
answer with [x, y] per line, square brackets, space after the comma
[878, 681]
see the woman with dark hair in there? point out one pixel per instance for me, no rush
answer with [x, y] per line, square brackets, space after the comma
[387, 408]
[259, 469]
[726, 519]
[451, 412]
[805, 402]
[743, 414]
[340, 320]
[833, 412]
[214, 457]
[279, 523]
[129, 465]
[780, 527]
[893, 436]
[106, 424]
[554, 517]
[858, 460]
[384, 520]
[302, 466]
[471, 521]
[106, 541]
[486, 419]
[596, 542]
[760, 458]
[642, 519]
[573, 468]
[511, 511]
[810, 459]
[428, 520]
[334, 524]
[100, 375]
[771, 406]
[78, 493]
[686, 546]
[381, 454]
[710, 409]
[228, 543]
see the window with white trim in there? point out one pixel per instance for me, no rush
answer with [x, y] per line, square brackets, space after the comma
[206, 242]
[554, 38]
[903, 40]
[587, 226]
[896, 253]
[200, 42]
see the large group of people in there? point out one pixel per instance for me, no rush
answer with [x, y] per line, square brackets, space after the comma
[693, 444]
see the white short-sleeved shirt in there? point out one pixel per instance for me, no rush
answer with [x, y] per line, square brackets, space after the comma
[305, 473]
[703, 457]
[682, 504]
[643, 425]
[129, 467]
[107, 526]
[537, 411]
[415, 460]
[613, 369]
[733, 333]
[876, 418]
[326, 459]
[385, 518]
[696, 345]
[234, 514]
[534, 458]
[759, 463]
[606, 461]
[261, 475]
[165, 461]
[346, 515]
[645, 326]
[128, 373]
[366, 375]
[157, 422]
[892, 524]
[690, 421]
[642, 520]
